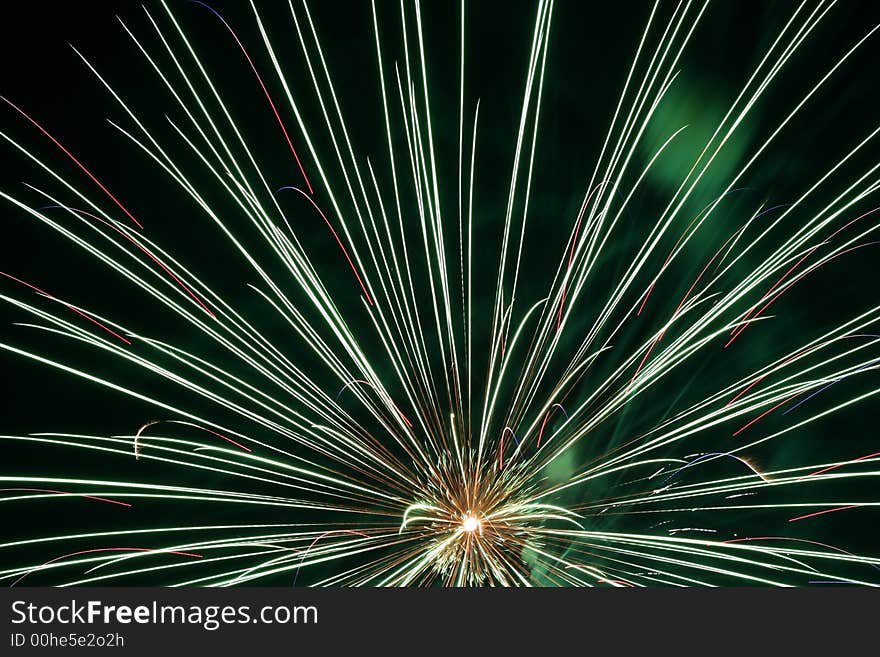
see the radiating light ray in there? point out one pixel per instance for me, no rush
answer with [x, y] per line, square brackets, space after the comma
[76, 161]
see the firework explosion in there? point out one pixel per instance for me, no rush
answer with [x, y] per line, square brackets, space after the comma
[392, 380]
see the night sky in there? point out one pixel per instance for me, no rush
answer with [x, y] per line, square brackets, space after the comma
[591, 46]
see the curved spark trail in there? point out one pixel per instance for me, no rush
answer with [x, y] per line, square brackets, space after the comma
[336, 237]
[265, 91]
[110, 549]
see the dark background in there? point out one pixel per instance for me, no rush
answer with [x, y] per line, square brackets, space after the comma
[591, 49]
